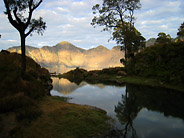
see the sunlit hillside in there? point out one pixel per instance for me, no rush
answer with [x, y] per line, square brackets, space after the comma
[65, 56]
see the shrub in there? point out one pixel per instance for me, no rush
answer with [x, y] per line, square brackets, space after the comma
[160, 61]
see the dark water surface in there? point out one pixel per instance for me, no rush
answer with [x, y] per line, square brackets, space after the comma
[138, 111]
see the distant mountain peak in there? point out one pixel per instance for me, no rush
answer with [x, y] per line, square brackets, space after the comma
[101, 47]
[116, 48]
[64, 43]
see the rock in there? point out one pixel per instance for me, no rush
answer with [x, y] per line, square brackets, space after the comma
[5, 51]
[118, 77]
[121, 73]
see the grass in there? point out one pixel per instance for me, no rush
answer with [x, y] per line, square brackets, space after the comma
[61, 119]
[117, 76]
[149, 82]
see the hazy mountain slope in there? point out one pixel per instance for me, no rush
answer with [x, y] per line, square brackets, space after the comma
[150, 42]
[65, 56]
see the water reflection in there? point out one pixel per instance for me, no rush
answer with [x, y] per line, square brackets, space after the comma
[138, 99]
[64, 86]
[126, 112]
[138, 111]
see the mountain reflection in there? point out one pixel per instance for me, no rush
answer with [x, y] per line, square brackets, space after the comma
[136, 98]
[64, 86]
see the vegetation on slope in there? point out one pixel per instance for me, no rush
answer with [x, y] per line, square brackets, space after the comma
[19, 96]
[35, 84]
[105, 76]
[163, 62]
[26, 110]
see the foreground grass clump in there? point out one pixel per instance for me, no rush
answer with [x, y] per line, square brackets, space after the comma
[64, 120]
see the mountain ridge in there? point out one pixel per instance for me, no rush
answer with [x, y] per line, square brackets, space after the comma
[65, 56]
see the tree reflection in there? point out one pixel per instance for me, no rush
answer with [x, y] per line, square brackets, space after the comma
[126, 112]
[165, 101]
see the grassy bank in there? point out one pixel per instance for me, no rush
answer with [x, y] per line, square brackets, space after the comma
[116, 76]
[64, 120]
[149, 82]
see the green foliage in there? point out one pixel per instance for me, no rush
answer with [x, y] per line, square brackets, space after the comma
[19, 14]
[118, 16]
[106, 76]
[129, 36]
[163, 38]
[181, 31]
[113, 12]
[161, 61]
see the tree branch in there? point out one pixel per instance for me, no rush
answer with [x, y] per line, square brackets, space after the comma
[28, 33]
[16, 17]
[31, 11]
[13, 22]
[37, 5]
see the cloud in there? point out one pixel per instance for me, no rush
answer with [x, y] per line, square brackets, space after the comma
[70, 20]
[159, 16]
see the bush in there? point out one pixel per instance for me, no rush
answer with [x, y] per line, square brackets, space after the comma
[21, 95]
[161, 61]
[15, 102]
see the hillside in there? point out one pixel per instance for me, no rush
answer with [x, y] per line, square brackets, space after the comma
[19, 96]
[65, 56]
[163, 62]
[27, 110]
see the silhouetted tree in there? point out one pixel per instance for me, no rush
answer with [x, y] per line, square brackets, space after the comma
[181, 31]
[19, 14]
[117, 15]
[130, 37]
[163, 38]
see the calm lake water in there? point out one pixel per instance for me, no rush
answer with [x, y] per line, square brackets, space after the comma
[138, 111]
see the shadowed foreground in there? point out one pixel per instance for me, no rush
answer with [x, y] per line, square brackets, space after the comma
[27, 110]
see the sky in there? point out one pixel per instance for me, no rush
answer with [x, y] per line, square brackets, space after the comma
[69, 20]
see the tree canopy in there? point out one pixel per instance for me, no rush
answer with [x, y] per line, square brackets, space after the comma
[130, 37]
[19, 14]
[118, 16]
[181, 31]
[163, 38]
